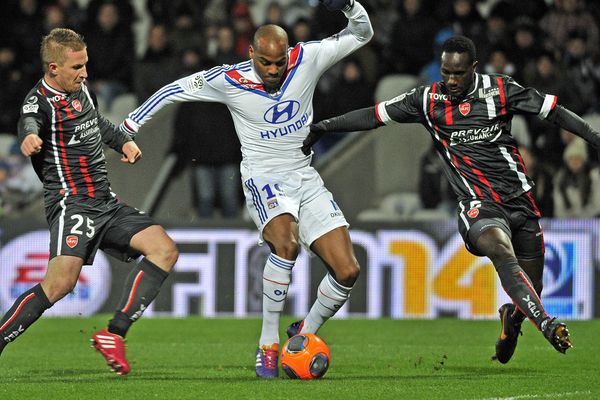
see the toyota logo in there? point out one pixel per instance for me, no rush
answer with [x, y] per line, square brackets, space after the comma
[282, 112]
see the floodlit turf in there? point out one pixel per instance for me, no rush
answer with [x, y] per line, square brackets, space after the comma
[196, 358]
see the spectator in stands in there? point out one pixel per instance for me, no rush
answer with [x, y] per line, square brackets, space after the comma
[209, 146]
[158, 65]
[496, 32]
[411, 45]
[541, 174]
[225, 52]
[498, 63]
[569, 16]
[466, 20]
[301, 31]
[111, 54]
[577, 184]
[26, 31]
[583, 72]
[546, 76]
[525, 46]
[243, 26]
[74, 15]
[54, 17]
[351, 91]
[12, 87]
[431, 72]
[186, 31]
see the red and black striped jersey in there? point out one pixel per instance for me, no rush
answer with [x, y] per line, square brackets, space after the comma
[472, 133]
[72, 160]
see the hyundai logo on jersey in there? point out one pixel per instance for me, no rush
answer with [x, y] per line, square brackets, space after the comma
[282, 112]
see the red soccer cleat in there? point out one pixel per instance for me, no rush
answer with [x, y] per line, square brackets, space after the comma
[112, 348]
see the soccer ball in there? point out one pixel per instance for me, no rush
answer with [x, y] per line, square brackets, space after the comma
[305, 356]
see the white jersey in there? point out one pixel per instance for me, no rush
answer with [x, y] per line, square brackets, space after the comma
[270, 126]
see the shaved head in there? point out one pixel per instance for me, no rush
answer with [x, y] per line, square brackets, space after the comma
[269, 36]
[269, 52]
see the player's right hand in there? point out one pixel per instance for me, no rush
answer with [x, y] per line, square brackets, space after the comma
[316, 131]
[31, 145]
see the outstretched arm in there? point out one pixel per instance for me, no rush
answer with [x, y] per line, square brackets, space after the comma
[357, 120]
[574, 123]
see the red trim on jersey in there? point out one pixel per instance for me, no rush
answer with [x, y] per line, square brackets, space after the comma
[431, 103]
[247, 83]
[63, 151]
[377, 113]
[502, 96]
[136, 283]
[448, 110]
[482, 178]
[520, 159]
[535, 207]
[554, 102]
[455, 161]
[18, 310]
[89, 184]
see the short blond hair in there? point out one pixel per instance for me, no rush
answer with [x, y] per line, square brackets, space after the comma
[56, 42]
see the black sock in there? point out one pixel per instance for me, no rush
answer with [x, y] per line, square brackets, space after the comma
[518, 286]
[141, 287]
[25, 311]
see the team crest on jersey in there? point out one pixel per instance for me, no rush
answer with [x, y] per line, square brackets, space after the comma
[272, 203]
[473, 213]
[76, 105]
[464, 108]
[72, 241]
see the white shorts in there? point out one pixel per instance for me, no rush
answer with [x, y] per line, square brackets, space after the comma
[299, 193]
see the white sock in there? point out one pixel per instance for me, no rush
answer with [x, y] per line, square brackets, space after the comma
[276, 279]
[331, 296]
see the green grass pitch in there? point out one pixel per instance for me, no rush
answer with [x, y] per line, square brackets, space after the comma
[197, 358]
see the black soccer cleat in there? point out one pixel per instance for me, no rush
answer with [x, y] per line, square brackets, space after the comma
[294, 328]
[557, 334]
[507, 341]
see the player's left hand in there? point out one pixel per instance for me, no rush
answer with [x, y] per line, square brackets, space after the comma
[316, 131]
[131, 152]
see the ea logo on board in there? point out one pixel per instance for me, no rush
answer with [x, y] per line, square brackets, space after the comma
[282, 112]
[23, 263]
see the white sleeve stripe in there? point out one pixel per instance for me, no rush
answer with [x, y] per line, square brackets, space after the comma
[150, 105]
[382, 114]
[549, 102]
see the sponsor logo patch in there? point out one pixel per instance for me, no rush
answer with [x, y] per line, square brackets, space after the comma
[30, 108]
[72, 241]
[76, 105]
[464, 108]
[473, 213]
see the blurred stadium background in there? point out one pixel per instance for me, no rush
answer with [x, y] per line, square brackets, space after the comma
[413, 261]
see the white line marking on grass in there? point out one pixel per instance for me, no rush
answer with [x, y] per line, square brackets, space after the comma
[539, 396]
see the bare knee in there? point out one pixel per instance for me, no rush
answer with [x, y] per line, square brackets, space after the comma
[164, 255]
[287, 250]
[347, 274]
[57, 289]
[500, 252]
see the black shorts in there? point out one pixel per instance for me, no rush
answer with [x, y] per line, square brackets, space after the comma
[80, 225]
[518, 217]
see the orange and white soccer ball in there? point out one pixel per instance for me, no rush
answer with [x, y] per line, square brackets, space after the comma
[305, 356]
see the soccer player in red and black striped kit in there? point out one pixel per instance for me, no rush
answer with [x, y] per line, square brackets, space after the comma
[62, 131]
[468, 116]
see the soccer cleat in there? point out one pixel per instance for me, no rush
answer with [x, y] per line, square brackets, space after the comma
[295, 328]
[507, 341]
[112, 348]
[267, 358]
[557, 334]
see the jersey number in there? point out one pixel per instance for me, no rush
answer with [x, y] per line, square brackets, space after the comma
[269, 191]
[90, 226]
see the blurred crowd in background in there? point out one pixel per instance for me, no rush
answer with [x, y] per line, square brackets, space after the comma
[551, 45]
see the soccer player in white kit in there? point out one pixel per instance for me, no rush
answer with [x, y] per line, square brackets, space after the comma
[270, 100]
